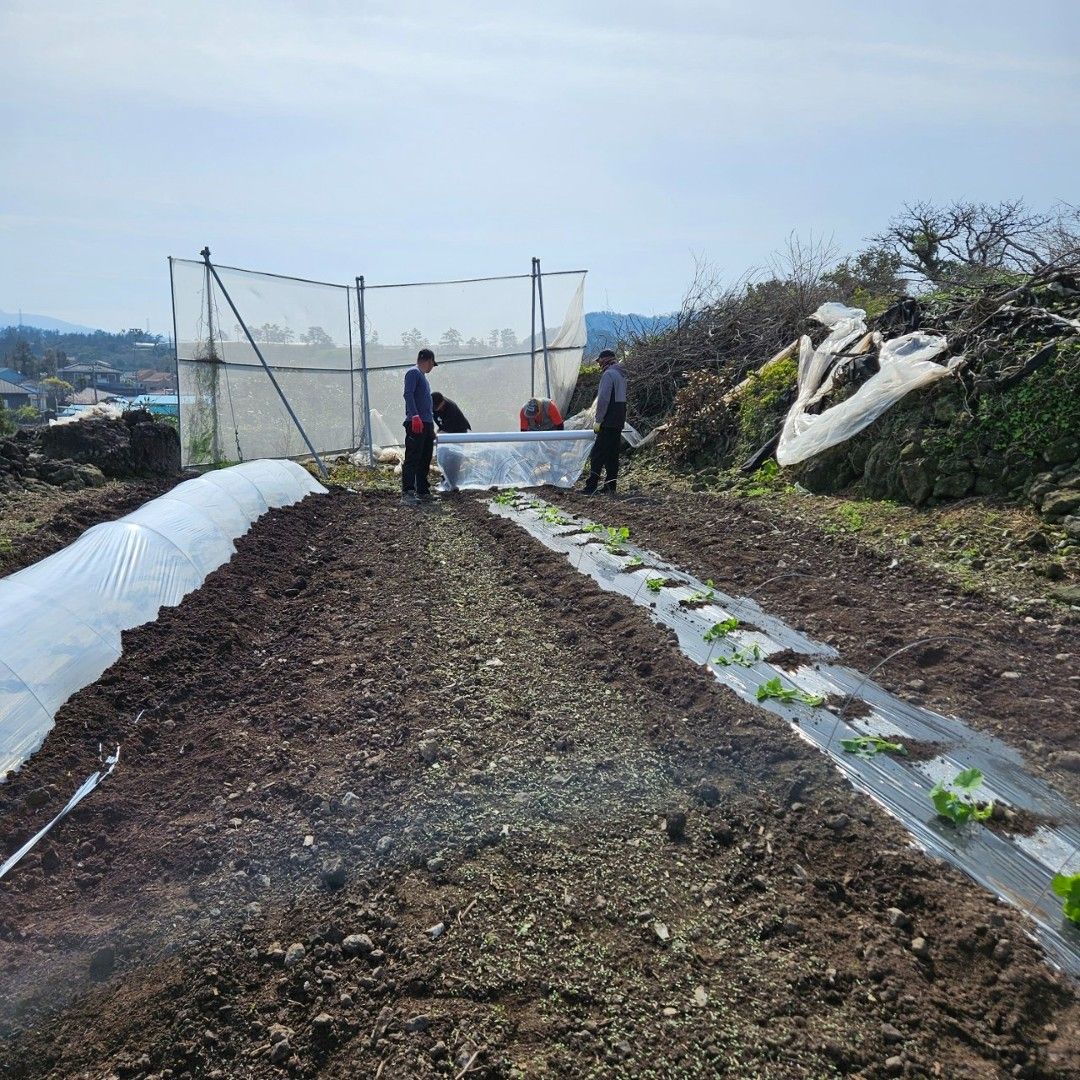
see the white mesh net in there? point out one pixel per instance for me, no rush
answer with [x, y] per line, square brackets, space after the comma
[347, 392]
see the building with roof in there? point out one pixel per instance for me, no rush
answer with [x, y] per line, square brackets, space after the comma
[13, 395]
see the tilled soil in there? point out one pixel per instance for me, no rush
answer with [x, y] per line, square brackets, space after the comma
[38, 523]
[1015, 676]
[403, 795]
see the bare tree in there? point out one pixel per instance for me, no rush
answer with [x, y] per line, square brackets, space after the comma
[969, 241]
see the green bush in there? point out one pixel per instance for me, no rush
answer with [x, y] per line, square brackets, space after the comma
[764, 401]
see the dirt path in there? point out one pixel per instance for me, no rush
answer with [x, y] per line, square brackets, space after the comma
[408, 797]
[1015, 676]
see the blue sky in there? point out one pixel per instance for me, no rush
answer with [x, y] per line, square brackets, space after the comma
[407, 140]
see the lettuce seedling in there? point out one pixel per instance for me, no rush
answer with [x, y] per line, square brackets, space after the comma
[743, 657]
[507, 498]
[956, 800]
[616, 537]
[774, 688]
[654, 584]
[869, 745]
[1067, 886]
[721, 629]
[554, 516]
[635, 560]
[592, 527]
[699, 597]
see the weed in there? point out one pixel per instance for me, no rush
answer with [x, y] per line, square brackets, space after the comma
[743, 657]
[956, 800]
[774, 688]
[1067, 886]
[721, 629]
[869, 745]
[654, 584]
[850, 520]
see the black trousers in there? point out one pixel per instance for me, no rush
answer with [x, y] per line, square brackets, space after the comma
[418, 451]
[605, 458]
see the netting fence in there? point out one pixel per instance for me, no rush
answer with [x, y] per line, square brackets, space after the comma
[338, 353]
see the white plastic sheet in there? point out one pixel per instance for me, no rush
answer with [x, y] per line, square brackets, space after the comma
[61, 619]
[513, 459]
[906, 363]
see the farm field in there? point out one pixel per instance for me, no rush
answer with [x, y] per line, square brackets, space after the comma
[401, 794]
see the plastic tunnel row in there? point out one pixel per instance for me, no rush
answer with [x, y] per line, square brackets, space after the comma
[61, 619]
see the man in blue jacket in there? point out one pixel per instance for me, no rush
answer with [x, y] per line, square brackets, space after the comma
[610, 418]
[419, 430]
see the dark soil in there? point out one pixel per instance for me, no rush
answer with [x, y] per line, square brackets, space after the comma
[57, 518]
[1015, 676]
[410, 797]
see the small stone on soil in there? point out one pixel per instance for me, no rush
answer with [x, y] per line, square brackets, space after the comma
[294, 954]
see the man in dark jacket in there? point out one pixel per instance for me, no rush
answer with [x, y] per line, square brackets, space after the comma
[419, 430]
[448, 417]
[610, 418]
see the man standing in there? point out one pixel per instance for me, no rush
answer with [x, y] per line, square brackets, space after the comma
[610, 418]
[448, 416]
[419, 430]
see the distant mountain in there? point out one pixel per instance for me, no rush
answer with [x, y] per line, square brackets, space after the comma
[605, 328]
[44, 322]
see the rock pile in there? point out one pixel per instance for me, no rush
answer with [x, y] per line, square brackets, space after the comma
[83, 454]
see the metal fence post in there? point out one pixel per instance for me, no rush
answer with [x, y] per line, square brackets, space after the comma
[532, 334]
[543, 327]
[363, 371]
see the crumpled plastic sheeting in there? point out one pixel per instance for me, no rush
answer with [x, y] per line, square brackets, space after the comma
[550, 457]
[61, 619]
[906, 363]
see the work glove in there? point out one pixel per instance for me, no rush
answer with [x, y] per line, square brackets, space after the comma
[416, 426]
[596, 429]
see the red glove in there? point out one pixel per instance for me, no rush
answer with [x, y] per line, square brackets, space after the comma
[416, 426]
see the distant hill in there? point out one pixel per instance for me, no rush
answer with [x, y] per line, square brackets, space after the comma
[604, 328]
[44, 322]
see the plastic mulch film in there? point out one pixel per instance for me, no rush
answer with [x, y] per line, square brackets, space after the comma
[905, 364]
[513, 459]
[1018, 868]
[61, 619]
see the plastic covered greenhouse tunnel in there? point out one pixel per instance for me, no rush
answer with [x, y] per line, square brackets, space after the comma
[297, 780]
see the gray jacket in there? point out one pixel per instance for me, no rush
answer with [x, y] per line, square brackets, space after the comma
[611, 397]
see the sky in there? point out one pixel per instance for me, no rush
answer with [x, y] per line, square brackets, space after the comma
[409, 141]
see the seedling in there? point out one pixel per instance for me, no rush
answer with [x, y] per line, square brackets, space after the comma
[700, 597]
[721, 629]
[654, 584]
[554, 516]
[774, 688]
[506, 498]
[1067, 886]
[592, 527]
[743, 657]
[616, 538]
[956, 800]
[635, 560]
[869, 745]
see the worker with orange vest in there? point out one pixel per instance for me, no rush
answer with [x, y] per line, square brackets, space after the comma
[540, 414]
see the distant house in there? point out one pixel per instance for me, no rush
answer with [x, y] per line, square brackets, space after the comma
[151, 381]
[92, 396]
[13, 395]
[93, 374]
[37, 394]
